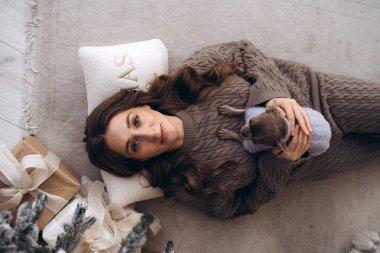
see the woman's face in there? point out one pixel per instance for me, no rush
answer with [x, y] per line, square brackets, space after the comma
[141, 133]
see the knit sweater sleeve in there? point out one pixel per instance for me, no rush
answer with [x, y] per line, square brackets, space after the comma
[258, 69]
[274, 174]
[275, 171]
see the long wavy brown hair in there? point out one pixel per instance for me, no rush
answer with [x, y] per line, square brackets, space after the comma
[166, 94]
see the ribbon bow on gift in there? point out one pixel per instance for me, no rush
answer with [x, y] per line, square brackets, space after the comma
[113, 223]
[15, 175]
[112, 226]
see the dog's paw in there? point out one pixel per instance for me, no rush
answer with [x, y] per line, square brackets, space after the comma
[223, 134]
[226, 110]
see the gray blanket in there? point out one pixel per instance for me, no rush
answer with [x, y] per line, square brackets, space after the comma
[307, 218]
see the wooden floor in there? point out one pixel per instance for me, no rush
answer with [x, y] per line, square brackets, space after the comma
[13, 17]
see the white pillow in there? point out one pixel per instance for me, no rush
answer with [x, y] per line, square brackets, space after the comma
[128, 190]
[107, 69]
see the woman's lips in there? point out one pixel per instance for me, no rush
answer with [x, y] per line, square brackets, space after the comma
[163, 134]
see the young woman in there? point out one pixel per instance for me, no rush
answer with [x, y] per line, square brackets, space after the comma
[170, 131]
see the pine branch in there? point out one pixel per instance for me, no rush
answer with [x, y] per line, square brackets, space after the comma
[23, 237]
[5, 217]
[43, 249]
[136, 238]
[69, 240]
[6, 232]
[169, 247]
[37, 207]
[26, 230]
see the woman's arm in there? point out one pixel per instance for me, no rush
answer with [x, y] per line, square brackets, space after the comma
[293, 111]
[276, 166]
[258, 69]
[256, 187]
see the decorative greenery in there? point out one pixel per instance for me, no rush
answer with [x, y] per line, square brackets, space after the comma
[74, 231]
[169, 247]
[24, 236]
[136, 238]
[6, 233]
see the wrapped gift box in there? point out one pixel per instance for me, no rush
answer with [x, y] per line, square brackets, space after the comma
[112, 226]
[59, 181]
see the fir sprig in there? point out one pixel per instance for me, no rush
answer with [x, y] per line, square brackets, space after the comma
[26, 230]
[6, 233]
[24, 236]
[73, 232]
[136, 238]
[169, 247]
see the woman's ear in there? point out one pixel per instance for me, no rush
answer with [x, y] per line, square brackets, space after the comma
[147, 106]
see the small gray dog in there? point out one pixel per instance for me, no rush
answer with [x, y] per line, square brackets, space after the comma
[265, 128]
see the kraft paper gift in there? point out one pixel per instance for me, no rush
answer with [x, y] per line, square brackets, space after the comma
[112, 226]
[30, 168]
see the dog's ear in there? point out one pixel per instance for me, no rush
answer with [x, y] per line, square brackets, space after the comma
[272, 108]
[282, 145]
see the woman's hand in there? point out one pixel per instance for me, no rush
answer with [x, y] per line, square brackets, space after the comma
[293, 111]
[297, 146]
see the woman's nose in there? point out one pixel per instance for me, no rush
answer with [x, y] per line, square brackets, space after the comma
[152, 133]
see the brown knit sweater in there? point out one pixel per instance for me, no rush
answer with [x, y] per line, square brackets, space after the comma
[351, 106]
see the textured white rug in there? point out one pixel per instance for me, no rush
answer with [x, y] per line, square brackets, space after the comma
[331, 36]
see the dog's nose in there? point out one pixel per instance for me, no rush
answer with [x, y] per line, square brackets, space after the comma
[244, 134]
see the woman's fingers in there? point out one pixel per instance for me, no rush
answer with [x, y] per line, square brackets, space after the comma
[307, 126]
[297, 146]
[308, 122]
[293, 112]
[290, 115]
[287, 105]
[294, 143]
[276, 151]
[304, 142]
[292, 146]
[282, 112]
[302, 118]
[300, 145]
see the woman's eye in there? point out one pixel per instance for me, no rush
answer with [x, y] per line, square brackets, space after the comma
[136, 121]
[135, 146]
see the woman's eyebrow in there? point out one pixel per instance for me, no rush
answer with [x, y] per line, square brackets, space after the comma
[127, 144]
[128, 120]
[127, 147]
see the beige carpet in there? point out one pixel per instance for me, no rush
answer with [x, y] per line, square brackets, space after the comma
[337, 36]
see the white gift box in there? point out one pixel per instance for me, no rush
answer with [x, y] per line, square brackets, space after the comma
[112, 226]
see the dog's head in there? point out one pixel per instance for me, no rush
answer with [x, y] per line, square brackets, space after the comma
[268, 129]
